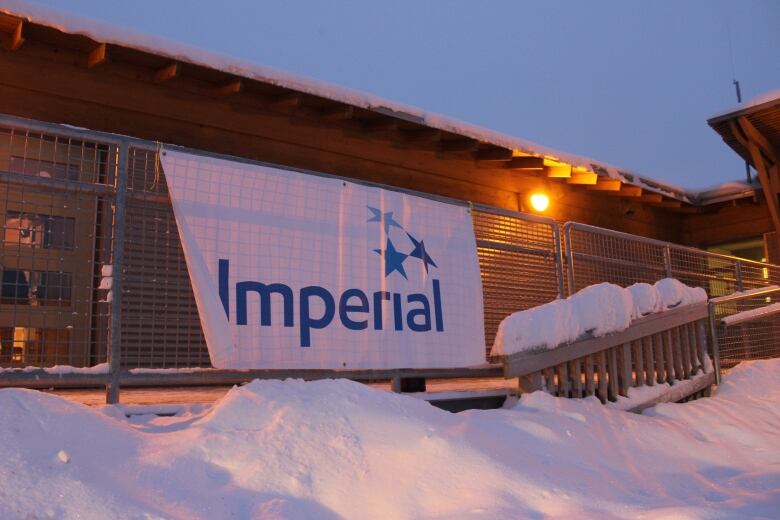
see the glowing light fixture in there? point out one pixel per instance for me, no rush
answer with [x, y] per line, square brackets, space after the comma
[540, 202]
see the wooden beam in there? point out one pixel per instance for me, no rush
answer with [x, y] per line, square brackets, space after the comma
[558, 171]
[338, 113]
[14, 40]
[628, 190]
[459, 145]
[289, 100]
[494, 154]
[587, 178]
[168, 72]
[651, 197]
[97, 56]
[228, 89]
[421, 135]
[525, 163]
[758, 138]
[382, 124]
[668, 203]
[770, 194]
[605, 184]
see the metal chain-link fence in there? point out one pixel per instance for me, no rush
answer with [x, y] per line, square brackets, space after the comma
[600, 255]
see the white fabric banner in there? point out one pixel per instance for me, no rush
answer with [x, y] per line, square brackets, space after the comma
[292, 270]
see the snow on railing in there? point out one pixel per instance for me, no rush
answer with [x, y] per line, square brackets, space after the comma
[667, 347]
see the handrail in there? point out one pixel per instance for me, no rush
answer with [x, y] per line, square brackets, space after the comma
[761, 291]
[524, 363]
[609, 232]
[759, 313]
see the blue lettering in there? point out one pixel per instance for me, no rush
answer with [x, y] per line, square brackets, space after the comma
[306, 321]
[242, 288]
[345, 308]
[437, 306]
[379, 296]
[425, 312]
[224, 290]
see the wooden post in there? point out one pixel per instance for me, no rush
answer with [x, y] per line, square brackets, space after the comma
[576, 377]
[590, 386]
[639, 362]
[563, 380]
[693, 347]
[531, 383]
[624, 381]
[701, 336]
[613, 373]
[682, 334]
[669, 355]
[647, 347]
[603, 376]
[660, 362]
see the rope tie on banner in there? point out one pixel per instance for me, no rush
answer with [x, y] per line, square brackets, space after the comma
[156, 178]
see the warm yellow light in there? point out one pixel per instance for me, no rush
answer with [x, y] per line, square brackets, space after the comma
[540, 202]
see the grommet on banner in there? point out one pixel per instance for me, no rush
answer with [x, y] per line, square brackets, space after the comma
[471, 206]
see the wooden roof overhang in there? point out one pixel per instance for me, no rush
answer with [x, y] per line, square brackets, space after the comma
[754, 133]
[46, 60]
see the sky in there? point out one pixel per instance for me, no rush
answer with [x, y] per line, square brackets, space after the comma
[629, 83]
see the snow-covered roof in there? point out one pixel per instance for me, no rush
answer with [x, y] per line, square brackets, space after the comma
[766, 99]
[106, 32]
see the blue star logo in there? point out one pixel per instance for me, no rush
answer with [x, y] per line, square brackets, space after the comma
[386, 219]
[394, 260]
[420, 252]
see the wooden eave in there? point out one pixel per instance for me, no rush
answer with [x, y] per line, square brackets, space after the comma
[498, 165]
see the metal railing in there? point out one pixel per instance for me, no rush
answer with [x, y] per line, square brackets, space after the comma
[595, 255]
[746, 325]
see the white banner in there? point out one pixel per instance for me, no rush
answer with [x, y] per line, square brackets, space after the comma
[293, 270]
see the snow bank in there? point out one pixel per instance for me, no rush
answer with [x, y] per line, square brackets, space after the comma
[596, 310]
[338, 449]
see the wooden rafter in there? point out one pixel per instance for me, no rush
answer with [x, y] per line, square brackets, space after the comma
[382, 124]
[338, 113]
[764, 158]
[97, 56]
[559, 171]
[289, 100]
[525, 163]
[459, 145]
[651, 197]
[604, 184]
[586, 178]
[14, 40]
[168, 72]
[228, 89]
[494, 155]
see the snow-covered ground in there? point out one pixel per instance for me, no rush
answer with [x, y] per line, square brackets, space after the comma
[338, 449]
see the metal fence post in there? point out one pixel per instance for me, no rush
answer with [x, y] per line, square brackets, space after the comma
[715, 346]
[569, 257]
[668, 261]
[115, 330]
[738, 273]
[559, 260]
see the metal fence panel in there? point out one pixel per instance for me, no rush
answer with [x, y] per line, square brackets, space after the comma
[56, 204]
[520, 263]
[596, 255]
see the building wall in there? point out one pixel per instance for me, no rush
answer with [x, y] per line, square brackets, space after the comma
[43, 82]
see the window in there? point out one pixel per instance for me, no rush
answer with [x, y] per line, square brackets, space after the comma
[21, 287]
[41, 168]
[34, 346]
[47, 231]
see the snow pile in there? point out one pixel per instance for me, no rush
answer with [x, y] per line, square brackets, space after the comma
[338, 449]
[596, 310]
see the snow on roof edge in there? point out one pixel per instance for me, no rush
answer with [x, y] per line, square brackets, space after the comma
[767, 98]
[109, 33]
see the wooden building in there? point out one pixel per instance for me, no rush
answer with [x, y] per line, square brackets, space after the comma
[55, 72]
